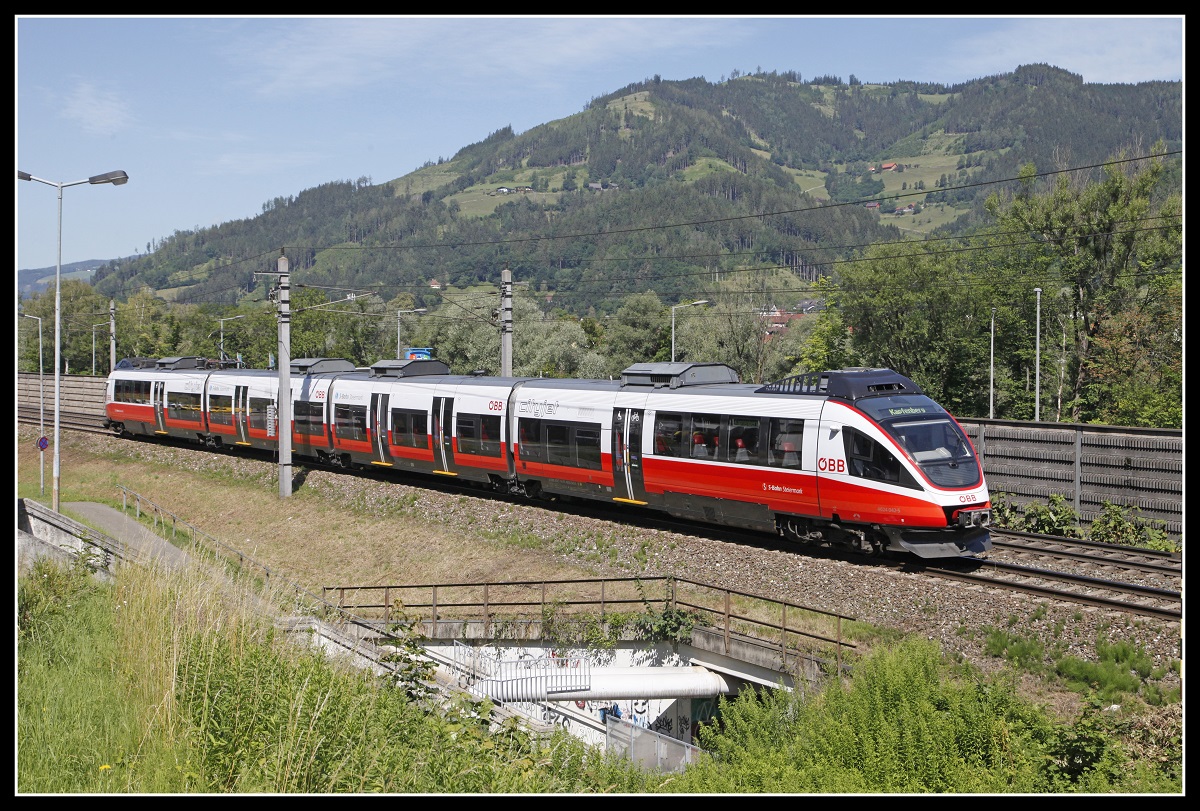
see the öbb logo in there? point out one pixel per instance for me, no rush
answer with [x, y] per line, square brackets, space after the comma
[830, 465]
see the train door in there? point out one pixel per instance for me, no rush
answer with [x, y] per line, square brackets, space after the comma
[158, 399]
[443, 435]
[241, 414]
[627, 455]
[379, 428]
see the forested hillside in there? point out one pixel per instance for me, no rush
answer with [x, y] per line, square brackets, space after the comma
[794, 207]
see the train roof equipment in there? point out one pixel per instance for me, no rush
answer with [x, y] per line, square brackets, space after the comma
[136, 363]
[675, 375]
[316, 366]
[409, 367]
[851, 384]
[181, 362]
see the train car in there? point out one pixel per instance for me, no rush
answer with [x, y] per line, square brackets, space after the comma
[858, 458]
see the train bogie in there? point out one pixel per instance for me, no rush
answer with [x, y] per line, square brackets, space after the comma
[857, 458]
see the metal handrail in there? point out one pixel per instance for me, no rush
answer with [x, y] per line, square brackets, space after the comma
[725, 619]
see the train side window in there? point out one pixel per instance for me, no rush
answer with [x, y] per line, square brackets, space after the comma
[479, 434]
[489, 435]
[868, 459]
[705, 434]
[530, 432]
[309, 418]
[558, 445]
[258, 412]
[587, 447]
[668, 435]
[183, 405]
[350, 422]
[410, 429]
[468, 435]
[786, 442]
[743, 441]
[220, 409]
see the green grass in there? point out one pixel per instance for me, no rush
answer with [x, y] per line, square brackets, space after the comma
[172, 683]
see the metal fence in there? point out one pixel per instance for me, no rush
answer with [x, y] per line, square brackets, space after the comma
[1086, 465]
[647, 748]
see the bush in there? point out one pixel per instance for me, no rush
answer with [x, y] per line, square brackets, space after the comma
[1124, 526]
[1055, 518]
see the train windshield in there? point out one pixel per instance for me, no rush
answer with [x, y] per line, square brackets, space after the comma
[928, 436]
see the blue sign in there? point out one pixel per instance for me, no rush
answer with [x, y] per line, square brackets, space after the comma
[43, 443]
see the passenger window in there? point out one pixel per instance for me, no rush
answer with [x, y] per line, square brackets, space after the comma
[743, 441]
[530, 432]
[705, 435]
[668, 435]
[220, 409]
[785, 443]
[350, 422]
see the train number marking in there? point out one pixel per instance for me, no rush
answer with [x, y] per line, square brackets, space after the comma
[496, 405]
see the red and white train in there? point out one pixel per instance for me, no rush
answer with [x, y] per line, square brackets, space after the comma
[854, 457]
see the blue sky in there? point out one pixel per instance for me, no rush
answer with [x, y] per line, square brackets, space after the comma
[213, 116]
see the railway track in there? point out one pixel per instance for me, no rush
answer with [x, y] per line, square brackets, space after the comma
[70, 420]
[1121, 578]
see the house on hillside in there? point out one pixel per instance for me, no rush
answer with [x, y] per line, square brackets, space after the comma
[435, 284]
[888, 167]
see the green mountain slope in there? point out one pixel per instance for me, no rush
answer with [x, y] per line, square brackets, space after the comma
[663, 186]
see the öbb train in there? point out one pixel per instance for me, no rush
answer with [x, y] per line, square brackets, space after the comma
[857, 458]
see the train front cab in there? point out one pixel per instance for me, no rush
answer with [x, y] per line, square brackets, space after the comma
[892, 458]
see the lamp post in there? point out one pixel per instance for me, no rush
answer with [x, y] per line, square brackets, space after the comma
[992, 378]
[675, 307]
[398, 314]
[222, 345]
[101, 324]
[1037, 367]
[117, 178]
[41, 404]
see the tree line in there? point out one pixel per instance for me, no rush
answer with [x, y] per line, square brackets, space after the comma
[1106, 256]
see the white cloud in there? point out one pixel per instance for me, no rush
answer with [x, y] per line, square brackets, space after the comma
[257, 163]
[98, 112]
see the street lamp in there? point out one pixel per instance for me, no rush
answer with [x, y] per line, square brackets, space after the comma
[1037, 367]
[398, 314]
[222, 322]
[992, 379]
[673, 309]
[41, 403]
[101, 324]
[117, 178]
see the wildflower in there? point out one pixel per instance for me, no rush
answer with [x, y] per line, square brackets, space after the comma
[105, 767]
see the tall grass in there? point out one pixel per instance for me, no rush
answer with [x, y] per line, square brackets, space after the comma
[178, 682]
